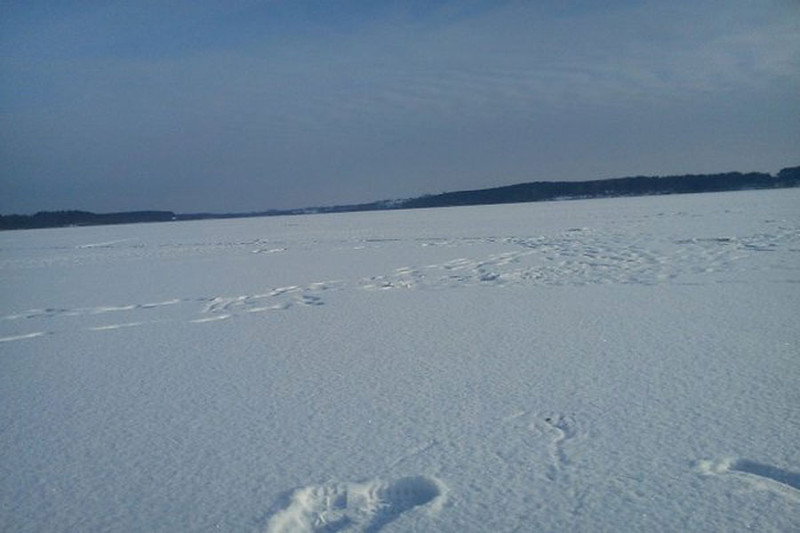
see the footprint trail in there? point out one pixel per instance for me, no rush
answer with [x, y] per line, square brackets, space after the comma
[575, 257]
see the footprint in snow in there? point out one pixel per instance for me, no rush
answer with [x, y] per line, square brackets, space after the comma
[367, 506]
[785, 482]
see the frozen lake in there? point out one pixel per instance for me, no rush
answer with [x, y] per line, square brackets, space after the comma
[599, 365]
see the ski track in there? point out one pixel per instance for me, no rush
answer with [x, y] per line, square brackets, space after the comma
[576, 257]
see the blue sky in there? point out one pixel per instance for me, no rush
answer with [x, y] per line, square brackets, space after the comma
[241, 105]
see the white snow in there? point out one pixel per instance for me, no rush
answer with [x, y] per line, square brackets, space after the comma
[599, 365]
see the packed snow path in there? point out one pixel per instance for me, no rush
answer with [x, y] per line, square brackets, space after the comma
[606, 365]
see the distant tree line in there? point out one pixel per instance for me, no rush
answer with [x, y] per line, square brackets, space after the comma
[525, 192]
[569, 190]
[54, 219]
[635, 186]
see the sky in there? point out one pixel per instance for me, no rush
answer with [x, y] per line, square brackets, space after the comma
[248, 105]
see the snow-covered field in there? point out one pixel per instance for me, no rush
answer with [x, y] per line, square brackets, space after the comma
[599, 365]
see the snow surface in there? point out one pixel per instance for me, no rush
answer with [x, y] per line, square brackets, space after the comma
[599, 365]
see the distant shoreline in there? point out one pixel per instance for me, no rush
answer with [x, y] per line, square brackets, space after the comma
[541, 191]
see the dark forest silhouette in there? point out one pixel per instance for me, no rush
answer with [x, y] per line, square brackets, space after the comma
[524, 192]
